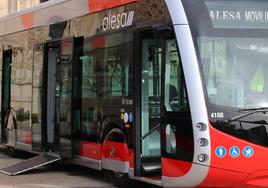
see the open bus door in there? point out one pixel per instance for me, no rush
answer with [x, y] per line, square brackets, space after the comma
[59, 97]
[165, 129]
[148, 97]
[53, 131]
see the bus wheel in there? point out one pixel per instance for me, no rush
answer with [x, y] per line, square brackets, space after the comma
[119, 179]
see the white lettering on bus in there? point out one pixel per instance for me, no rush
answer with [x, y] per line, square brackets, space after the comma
[225, 15]
[117, 21]
[256, 16]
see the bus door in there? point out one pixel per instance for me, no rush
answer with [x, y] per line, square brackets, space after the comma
[151, 59]
[165, 124]
[59, 97]
[5, 100]
[64, 89]
[177, 143]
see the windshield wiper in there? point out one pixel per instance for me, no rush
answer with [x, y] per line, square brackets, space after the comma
[251, 111]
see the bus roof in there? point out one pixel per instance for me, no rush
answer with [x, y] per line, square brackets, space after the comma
[52, 12]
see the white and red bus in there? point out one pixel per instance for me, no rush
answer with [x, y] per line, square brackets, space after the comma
[170, 92]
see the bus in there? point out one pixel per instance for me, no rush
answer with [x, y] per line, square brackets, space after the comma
[169, 92]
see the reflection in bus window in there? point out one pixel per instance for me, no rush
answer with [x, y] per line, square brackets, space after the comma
[106, 75]
[21, 84]
[89, 76]
[175, 93]
[231, 77]
[114, 79]
[117, 66]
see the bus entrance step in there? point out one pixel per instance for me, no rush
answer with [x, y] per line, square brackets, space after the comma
[29, 164]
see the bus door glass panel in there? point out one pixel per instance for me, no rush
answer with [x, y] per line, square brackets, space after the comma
[37, 96]
[152, 53]
[177, 132]
[6, 81]
[52, 137]
[64, 97]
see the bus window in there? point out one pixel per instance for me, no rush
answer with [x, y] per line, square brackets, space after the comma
[117, 66]
[175, 93]
[231, 77]
[106, 79]
[21, 84]
[114, 81]
[88, 75]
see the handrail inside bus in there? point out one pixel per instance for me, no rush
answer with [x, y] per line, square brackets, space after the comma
[157, 125]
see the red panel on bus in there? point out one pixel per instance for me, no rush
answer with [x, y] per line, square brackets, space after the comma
[98, 5]
[131, 158]
[215, 178]
[116, 151]
[241, 164]
[175, 168]
[91, 150]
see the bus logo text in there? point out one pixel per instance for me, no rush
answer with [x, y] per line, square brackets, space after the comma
[117, 21]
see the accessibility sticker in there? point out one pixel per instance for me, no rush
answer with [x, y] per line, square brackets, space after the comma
[234, 151]
[248, 151]
[131, 118]
[220, 151]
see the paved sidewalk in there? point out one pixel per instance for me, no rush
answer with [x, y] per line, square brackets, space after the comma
[51, 176]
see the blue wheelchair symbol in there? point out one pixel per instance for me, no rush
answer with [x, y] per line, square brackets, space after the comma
[220, 151]
[248, 151]
[234, 151]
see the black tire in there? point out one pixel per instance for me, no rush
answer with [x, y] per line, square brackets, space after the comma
[119, 179]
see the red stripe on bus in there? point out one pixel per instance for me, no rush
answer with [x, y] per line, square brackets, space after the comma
[175, 168]
[131, 158]
[98, 5]
[116, 151]
[28, 20]
[91, 150]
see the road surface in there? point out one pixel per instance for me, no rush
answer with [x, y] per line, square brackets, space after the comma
[55, 175]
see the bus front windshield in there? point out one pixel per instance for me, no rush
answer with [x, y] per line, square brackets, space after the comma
[231, 39]
[234, 70]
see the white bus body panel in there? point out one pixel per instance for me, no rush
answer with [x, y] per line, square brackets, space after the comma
[198, 171]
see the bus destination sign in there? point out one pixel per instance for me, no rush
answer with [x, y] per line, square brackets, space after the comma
[238, 14]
